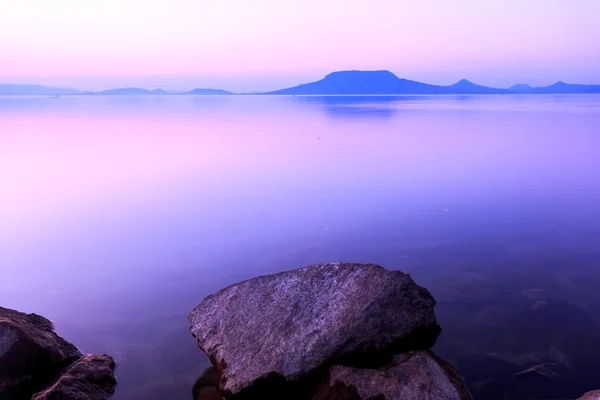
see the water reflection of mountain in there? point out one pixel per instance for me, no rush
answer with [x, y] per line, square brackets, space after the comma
[359, 106]
[377, 107]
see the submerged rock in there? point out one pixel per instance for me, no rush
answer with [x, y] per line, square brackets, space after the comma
[207, 386]
[89, 378]
[31, 354]
[417, 375]
[594, 395]
[281, 327]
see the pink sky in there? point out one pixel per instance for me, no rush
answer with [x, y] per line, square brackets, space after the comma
[265, 44]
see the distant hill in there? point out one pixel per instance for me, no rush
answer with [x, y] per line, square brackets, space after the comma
[207, 92]
[385, 82]
[336, 83]
[566, 88]
[469, 87]
[557, 88]
[156, 92]
[364, 82]
[128, 92]
[520, 88]
[33, 90]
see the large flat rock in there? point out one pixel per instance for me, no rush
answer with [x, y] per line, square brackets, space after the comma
[284, 326]
[31, 354]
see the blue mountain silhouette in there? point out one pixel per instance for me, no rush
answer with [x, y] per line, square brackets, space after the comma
[567, 88]
[336, 83]
[364, 82]
[33, 90]
[465, 86]
[385, 82]
[208, 92]
[128, 91]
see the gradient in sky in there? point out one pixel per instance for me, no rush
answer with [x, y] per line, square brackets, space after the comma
[267, 44]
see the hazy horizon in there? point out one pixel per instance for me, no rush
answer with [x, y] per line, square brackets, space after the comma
[241, 85]
[268, 45]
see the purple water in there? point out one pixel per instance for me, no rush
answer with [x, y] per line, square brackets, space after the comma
[119, 214]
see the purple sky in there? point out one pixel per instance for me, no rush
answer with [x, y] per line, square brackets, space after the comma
[266, 44]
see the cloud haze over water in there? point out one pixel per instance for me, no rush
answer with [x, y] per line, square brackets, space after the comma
[268, 44]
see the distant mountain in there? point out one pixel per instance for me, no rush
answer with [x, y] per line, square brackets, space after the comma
[520, 88]
[365, 82]
[33, 90]
[128, 92]
[159, 92]
[557, 88]
[469, 87]
[207, 92]
[156, 92]
[385, 82]
[336, 83]
[567, 88]
[381, 82]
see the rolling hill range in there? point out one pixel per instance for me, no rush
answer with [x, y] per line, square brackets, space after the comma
[381, 82]
[33, 90]
[385, 82]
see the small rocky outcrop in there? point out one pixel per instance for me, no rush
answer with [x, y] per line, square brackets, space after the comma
[33, 357]
[31, 354]
[328, 331]
[413, 375]
[89, 378]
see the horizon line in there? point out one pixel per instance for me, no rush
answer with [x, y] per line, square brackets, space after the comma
[381, 72]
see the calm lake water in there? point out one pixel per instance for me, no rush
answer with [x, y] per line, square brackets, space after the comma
[119, 214]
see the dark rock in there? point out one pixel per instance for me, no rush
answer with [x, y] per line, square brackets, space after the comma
[31, 354]
[89, 378]
[280, 327]
[417, 375]
[594, 395]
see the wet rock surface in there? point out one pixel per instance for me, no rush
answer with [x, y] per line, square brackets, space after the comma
[34, 359]
[89, 378]
[329, 331]
[285, 325]
[413, 375]
[31, 354]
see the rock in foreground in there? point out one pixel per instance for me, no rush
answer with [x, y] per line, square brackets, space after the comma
[31, 354]
[35, 359]
[417, 375]
[287, 325]
[89, 378]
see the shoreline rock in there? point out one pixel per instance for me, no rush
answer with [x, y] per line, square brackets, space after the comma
[31, 354]
[287, 335]
[33, 357]
[412, 375]
[91, 377]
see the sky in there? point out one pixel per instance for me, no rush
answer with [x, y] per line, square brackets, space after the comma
[253, 45]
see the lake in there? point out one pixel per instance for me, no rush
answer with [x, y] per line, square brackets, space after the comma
[119, 214]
